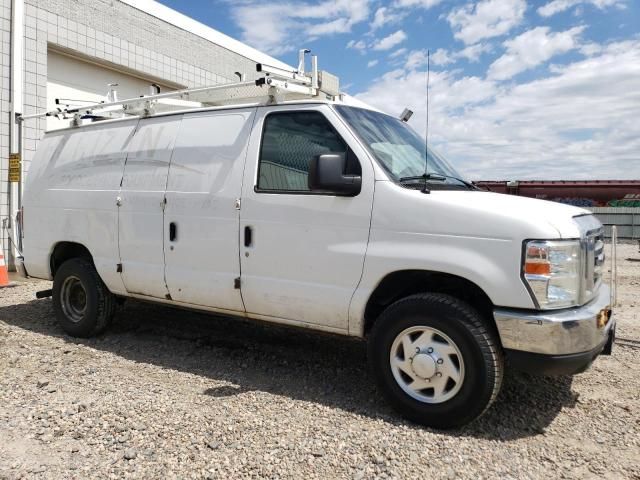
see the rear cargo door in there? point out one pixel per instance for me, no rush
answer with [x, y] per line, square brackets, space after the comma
[141, 206]
[201, 213]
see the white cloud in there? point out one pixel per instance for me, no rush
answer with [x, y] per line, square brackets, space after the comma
[406, 88]
[390, 41]
[357, 45]
[569, 124]
[589, 49]
[385, 16]
[372, 63]
[532, 48]
[416, 59]
[398, 53]
[277, 27]
[473, 52]
[339, 25]
[557, 6]
[416, 3]
[486, 19]
[442, 57]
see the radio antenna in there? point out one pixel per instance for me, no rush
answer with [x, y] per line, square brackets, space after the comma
[426, 133]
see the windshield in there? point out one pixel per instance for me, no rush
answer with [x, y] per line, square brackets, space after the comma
[397, 147]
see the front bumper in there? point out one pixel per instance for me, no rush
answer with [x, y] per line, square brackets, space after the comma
[541, 364]
[547, 339]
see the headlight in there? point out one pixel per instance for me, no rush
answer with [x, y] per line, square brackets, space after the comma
[551, 269]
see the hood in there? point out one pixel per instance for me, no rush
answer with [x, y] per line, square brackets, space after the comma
[557, 215]
[478, 214]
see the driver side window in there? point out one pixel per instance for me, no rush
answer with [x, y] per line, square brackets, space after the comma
[290, 141]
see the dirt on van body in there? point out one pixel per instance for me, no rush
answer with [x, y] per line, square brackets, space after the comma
[173, 394]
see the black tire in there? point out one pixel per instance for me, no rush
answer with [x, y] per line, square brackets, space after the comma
[480, 351]
[77, 278]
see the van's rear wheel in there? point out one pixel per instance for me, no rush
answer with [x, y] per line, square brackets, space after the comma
[84, 306]
[435, 360]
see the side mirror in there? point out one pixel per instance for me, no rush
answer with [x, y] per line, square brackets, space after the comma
[326, 174]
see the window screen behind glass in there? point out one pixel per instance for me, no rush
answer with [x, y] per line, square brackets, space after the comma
[290, 141]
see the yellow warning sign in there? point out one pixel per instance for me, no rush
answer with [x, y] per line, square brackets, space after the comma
[15, 167]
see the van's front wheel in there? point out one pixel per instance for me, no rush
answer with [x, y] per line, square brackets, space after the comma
[435, 360]
[83, 305]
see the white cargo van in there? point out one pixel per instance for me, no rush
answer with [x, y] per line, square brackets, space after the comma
[317, 213]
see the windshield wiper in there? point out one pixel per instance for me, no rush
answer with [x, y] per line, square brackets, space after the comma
[427, 176]
[438, 177]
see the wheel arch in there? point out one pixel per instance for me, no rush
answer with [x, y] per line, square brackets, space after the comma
[64, 251]
[402, 283]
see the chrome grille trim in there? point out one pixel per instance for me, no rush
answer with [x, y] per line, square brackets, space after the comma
[592, 261]
[599, 259]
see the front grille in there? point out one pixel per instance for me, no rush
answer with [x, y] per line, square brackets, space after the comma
[592, 240]
[594, 263]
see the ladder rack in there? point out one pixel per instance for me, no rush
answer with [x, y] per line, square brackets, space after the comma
[275, 86]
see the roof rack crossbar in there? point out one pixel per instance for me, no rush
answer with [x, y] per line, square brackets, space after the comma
[274, 86]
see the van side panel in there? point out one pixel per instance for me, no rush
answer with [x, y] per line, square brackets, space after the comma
[141, 211]
[205, 178]
[71, 193]
[38, 243]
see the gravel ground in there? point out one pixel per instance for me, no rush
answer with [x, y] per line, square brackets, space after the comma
[173, 394]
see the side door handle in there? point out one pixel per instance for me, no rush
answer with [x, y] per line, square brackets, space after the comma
[173, 232]
[248, 236]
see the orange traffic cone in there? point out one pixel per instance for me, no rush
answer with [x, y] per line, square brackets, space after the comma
[4, 273]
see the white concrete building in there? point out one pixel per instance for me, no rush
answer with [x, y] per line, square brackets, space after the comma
[73, 49]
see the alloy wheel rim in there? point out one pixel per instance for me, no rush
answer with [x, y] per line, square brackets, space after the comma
[427, 365]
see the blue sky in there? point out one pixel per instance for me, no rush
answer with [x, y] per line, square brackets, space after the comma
[545, 89]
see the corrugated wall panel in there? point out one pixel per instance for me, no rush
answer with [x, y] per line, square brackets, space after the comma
[627, 220]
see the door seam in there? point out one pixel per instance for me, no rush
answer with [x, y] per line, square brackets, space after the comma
[244, 171]
[164, 210]
[124, 169]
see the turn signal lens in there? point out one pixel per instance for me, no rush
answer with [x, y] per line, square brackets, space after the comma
[603, 317]
[537, 259]
[537, 268]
